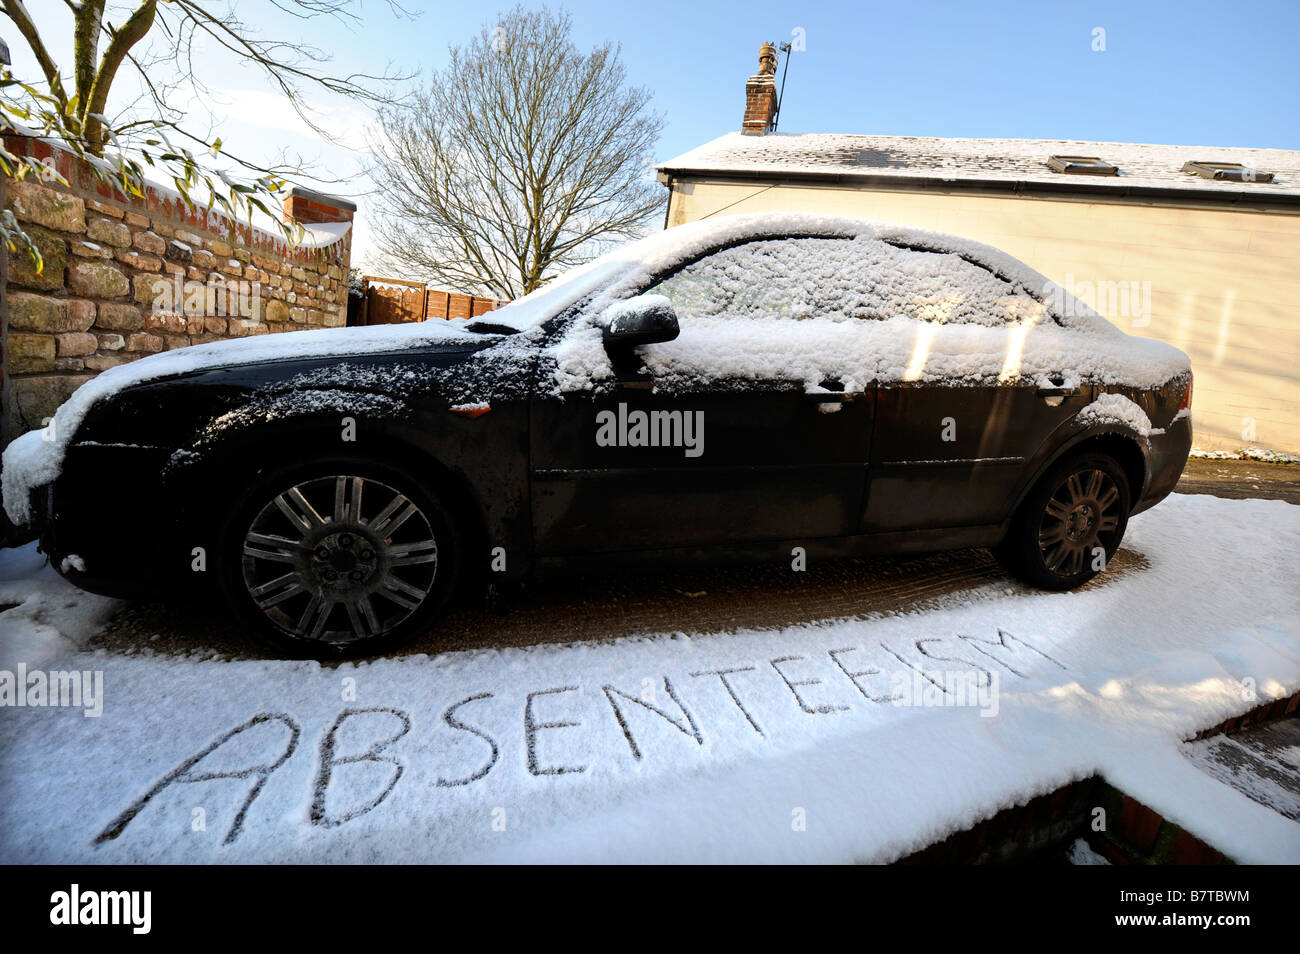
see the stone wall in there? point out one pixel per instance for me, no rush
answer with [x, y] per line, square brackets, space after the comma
[127, 276]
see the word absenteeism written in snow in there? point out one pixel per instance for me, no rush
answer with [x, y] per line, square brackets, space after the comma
[371, 735]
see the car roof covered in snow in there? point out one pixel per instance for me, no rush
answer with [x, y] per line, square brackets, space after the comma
[662, 251]
[1143, 169]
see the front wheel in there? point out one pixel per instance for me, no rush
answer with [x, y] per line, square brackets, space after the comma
[1071, 524]
[339, 558]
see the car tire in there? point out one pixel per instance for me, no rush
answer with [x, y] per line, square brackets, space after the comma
[340, 557]
[1081, 504]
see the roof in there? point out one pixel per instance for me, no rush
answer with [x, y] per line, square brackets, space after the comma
[913, 161]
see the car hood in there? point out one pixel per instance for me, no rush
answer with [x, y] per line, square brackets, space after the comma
[36, 458]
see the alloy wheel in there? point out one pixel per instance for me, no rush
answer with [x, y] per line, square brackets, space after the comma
[339, 559]
[1081, 514]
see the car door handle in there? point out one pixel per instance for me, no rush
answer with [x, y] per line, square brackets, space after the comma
[828, 397]
[829, 391]
[1055, 386]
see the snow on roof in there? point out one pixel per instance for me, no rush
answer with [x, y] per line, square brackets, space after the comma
[1004, 160]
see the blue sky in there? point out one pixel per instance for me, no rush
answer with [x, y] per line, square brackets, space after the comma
[1189, 73]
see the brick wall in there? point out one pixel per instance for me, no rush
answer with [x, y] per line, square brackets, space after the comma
[126, 277]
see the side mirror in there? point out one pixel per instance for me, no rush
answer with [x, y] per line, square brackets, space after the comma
[645, 319]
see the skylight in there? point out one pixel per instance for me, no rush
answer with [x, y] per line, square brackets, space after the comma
[1082, 165]
[1228, 171]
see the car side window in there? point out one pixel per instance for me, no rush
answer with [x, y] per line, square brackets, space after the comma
[842, 279]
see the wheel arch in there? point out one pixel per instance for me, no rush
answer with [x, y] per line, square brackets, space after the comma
[223, 468]
[1126, 447]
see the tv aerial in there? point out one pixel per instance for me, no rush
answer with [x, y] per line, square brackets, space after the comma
[780, 97]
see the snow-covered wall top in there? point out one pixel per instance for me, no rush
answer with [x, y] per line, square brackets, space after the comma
[1021, 160]
[319, 232]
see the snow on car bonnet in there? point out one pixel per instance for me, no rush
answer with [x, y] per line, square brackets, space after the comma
[36, 458]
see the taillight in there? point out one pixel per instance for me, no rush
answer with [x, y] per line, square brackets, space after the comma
[1186, 404]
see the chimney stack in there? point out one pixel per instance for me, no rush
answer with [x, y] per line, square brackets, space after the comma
[760, 94]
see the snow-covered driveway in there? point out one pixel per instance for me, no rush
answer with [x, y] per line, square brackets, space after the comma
[760, 745]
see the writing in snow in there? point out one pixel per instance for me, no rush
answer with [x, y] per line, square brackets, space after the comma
[381, 729]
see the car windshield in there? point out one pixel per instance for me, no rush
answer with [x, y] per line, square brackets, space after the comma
[841, 279]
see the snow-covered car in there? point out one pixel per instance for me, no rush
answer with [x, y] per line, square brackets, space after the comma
[784, 387]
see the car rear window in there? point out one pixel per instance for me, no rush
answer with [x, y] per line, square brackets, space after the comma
[843, 279]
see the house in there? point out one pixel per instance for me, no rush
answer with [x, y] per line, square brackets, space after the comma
[1198, 246]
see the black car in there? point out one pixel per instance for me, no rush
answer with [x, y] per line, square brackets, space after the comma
[734, 388]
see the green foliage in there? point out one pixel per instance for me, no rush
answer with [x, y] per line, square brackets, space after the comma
[28, 111]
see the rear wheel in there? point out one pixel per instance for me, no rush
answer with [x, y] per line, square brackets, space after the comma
[1071, 524]
[339, 558]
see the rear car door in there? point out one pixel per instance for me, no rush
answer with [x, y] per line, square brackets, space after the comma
[953, 456]
[949, 451]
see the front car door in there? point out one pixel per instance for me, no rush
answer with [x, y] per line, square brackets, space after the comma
[710, 439]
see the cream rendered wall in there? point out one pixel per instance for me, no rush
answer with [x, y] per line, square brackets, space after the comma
[1224, 286]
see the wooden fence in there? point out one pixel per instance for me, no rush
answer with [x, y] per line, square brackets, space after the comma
[391, 301]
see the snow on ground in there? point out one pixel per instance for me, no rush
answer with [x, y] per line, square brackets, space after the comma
[52, 617]
[1081, 854]
[1248, 453]
[767, 745]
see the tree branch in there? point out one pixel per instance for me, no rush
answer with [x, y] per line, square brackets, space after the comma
[16, 12]
[135, 29]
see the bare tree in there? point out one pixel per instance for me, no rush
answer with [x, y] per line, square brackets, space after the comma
[521, 158]
[156, 39]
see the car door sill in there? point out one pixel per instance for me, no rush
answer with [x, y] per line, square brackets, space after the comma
[858, 545]
[608, 473]
[953, 462]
